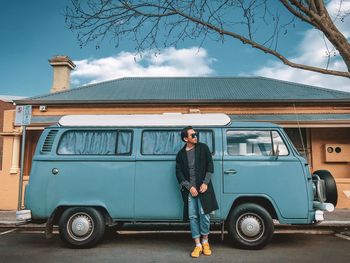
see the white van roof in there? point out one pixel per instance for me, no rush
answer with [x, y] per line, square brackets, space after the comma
[134, 120]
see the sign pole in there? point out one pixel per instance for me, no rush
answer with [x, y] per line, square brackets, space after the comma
[22, 167]
[23, 118]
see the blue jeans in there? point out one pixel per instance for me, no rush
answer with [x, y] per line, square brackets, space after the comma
[199, 221]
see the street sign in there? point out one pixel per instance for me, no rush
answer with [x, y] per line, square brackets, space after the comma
[23, 115]
[23, 118]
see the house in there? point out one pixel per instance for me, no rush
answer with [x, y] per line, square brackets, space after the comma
[316, 119]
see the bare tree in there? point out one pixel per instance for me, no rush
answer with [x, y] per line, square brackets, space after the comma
[162, 23]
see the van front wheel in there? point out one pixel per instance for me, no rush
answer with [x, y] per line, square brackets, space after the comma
[81, 227]
[250, 226]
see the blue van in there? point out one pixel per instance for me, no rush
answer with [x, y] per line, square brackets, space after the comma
[91, 172]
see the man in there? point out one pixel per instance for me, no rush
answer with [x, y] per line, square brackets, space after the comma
[194, 168]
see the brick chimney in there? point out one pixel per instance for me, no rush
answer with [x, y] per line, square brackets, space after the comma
[62, 66]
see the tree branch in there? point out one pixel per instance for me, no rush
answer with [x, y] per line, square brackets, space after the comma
[144, 20]
[267, 50]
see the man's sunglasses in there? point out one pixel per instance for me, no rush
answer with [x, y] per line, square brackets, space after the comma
[194, 135]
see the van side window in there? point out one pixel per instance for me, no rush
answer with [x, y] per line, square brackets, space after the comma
[279, 143]
[255, 143]
[124, 142]
[95, 143]
[168, 142]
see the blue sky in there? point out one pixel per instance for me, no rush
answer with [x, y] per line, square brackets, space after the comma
[32, 32]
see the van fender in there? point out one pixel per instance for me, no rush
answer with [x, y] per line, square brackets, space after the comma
[262, 200]
[49, 225]
[56, 213]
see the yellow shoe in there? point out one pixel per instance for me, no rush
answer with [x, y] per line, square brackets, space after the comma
[196, 252]
[206, 249]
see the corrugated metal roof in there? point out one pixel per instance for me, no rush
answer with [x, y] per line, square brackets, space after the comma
[191, 89]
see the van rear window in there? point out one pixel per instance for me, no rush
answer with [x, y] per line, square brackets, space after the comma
[95, 143]
[169, 142]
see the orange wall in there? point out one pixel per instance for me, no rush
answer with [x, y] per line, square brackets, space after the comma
[8, 182]
[322, 136]
[341, 171]
[3, 106]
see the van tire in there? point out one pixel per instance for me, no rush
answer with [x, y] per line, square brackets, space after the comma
[81, 227]
[250, 226]
[331, 186]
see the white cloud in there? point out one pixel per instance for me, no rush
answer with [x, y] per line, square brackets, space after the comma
[312, 51]
[169, 62]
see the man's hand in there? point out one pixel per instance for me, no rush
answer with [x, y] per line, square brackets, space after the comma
[203, 188]
[193, 191]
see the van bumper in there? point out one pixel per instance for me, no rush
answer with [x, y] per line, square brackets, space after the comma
[323, 206]
[23, 216]
[319, 215]
[320, 208]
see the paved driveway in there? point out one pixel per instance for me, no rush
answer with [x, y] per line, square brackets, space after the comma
[132, 247]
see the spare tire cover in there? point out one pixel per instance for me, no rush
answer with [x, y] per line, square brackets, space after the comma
[331, 186]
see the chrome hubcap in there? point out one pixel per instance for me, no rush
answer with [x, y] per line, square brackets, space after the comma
[250, 227]
[80, 226]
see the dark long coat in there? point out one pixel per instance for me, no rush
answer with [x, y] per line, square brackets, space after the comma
[203, 164]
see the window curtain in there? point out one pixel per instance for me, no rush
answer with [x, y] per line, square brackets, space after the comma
[169, 142]
[124, 142]
[207, 138]
[161, 142]
[88, 142]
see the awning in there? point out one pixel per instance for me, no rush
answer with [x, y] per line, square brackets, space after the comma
[45, 119]
[294, 120]
[286, 120]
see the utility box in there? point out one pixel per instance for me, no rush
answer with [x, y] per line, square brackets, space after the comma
[337, 153]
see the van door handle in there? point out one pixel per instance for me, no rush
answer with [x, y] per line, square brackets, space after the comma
[230, 171]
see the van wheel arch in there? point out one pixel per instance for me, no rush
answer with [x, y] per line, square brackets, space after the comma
[262, 201]
[57, 213]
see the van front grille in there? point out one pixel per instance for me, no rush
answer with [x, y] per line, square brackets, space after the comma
[47, 146]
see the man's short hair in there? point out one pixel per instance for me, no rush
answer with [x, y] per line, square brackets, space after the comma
[184, 132]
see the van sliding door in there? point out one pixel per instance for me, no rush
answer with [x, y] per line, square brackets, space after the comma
[157, 192]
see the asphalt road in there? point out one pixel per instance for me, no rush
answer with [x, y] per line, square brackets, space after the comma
[16, 247]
